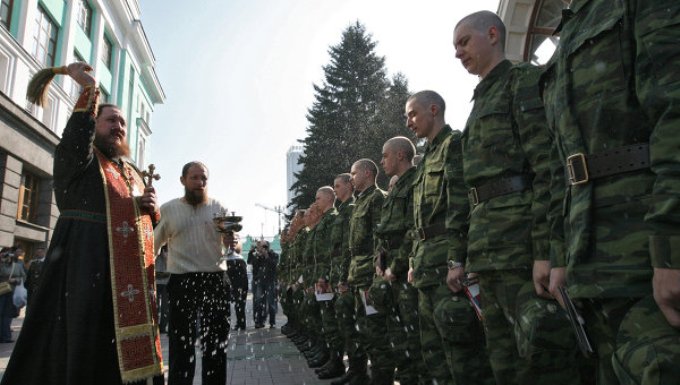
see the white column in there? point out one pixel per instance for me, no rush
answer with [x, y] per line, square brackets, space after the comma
[97, 40]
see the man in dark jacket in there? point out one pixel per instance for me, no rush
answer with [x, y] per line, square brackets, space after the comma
[264, 263]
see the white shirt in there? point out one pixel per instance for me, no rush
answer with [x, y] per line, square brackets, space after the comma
[194, 245]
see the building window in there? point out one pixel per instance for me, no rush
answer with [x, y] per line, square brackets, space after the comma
[85, 17]
[44, 38]
[76, 89]
[107, 52]
[104, 96]
[48, 113]
[6, 12]
[141, 149]
[28, 197]
[540, 40]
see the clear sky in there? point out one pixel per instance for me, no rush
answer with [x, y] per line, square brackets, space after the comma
[238, 77]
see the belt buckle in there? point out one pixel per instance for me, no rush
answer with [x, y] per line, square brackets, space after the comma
[473, 196]
[421, 233]
[571, 170]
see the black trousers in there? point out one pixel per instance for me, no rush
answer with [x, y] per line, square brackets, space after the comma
[163, 306]
[198, 302]
[238, 298]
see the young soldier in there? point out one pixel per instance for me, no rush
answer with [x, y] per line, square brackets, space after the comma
[507, 164]
[399, 298]
[440, 218]
[612, 96]
[362, 226]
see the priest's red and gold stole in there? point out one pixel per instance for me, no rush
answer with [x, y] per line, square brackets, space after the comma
[132, 272]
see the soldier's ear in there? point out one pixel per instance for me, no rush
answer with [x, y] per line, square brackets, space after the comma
[493, 35]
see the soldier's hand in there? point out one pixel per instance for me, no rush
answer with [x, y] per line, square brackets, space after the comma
[148, 199]
[454, 279]
[666, 284]
[409, 275]
[80, 72]
[558, 278]
[379, 272]
[388, 275]
[541, 276]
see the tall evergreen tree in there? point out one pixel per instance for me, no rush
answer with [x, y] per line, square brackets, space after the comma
[356, 109]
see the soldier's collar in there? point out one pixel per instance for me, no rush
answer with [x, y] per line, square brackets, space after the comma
[493, 75]
[443, 133]
[404, 178]
[368, 190]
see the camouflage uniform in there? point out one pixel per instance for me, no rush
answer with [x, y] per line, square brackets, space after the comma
[612, 83]
[297, 265]
[362, 226]
[322, 259]
[283, 274]
[310, 308]
[440, 219]
[344, 302]
[399, 299]
[507, 138]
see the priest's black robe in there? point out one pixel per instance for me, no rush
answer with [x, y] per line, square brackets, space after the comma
[68, 334]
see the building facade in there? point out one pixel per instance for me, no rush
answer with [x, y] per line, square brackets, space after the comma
[292, 168]
[530, 25]
[35, 34]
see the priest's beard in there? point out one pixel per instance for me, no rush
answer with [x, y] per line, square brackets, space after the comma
[195, 197]
[111, 148]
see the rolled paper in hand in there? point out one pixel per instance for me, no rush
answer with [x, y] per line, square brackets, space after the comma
[40, 83]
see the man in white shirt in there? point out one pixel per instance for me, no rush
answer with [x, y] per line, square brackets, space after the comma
[196, 289]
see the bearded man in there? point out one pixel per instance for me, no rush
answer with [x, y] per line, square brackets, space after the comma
[96, 318]
[196, 288]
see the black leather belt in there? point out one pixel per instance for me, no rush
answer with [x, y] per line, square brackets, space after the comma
[498, 187]
[582, 168]
[423, 233]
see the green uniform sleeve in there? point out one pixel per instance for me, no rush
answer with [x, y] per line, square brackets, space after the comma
[457, 203]
[657, 84]
[532, 127]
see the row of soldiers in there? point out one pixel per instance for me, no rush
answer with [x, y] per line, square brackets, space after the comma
[566, 176]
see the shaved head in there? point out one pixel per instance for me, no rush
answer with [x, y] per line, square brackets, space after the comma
[402, 144]
[428, 98]
[367, 165]
[483, 20]
[325, 197]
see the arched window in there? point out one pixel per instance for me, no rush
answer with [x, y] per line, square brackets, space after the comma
[540, 40]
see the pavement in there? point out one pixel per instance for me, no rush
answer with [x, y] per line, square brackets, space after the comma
[254, 357]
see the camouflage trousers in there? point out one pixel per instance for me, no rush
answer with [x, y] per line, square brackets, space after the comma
[633, 341]
[399, 302]
[529, 339]
[285, 301]
[463, 337]
[431, 341]
[346, 316]
[373, 335]
[311, 316]
[330, 329]
[296, 300]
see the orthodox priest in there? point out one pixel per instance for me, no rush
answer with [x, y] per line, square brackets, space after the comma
[93, 318]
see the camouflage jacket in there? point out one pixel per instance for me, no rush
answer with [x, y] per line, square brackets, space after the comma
[439, 197]
[362, 226]
[614, 82]
[297, 262]
[308, 261]
[505, 136]
[340, 255]
[283, 269]
[396, 222]
[322, 245]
